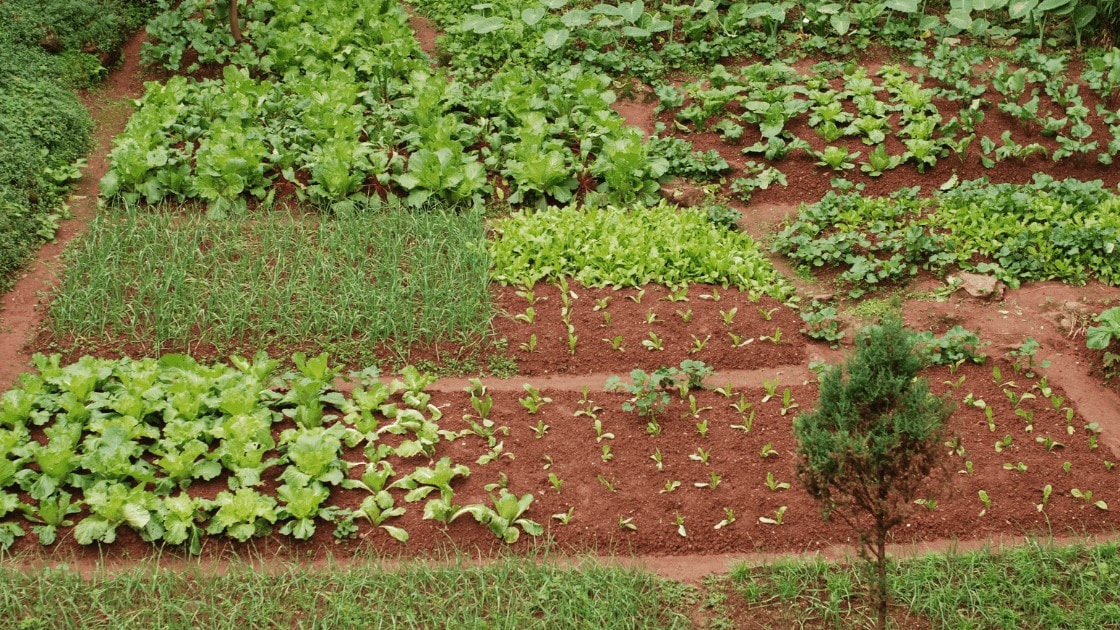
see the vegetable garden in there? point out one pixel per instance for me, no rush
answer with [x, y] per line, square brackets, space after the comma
[570, 276]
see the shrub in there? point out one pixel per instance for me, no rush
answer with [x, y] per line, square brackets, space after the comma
[874, 438]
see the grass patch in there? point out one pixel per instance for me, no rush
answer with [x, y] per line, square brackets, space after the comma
[165, 280]
[506, 594]
[1036, 585]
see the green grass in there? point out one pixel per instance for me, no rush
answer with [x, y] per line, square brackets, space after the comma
[506, 594]
[1036, 585]
[343, 283]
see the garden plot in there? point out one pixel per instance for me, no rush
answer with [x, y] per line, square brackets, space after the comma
[318, 189]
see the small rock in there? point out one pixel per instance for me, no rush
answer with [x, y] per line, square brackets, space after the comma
[981, 286]
[681, 192]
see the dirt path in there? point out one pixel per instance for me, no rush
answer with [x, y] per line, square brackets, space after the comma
[110, 105]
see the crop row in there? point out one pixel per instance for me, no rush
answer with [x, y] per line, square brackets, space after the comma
[338, 111]
[903, 118]
[649, 39]
[176, 450]
[1064, 230]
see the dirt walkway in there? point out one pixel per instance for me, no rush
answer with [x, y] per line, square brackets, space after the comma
[110, 105]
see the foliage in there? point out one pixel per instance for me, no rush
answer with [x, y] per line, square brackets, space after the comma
[358, 278]
[293, 105]
[629, 248]
[649, 392]
[874, 438]
[955, 347]
[126, 439]
[1065, 230]
[1101, 336]
[46, 48]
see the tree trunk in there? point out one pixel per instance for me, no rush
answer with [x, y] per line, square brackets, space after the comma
[234, 21]
[881, 578]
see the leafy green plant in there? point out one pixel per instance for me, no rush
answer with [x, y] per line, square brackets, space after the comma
[614, 248]
[505, 517]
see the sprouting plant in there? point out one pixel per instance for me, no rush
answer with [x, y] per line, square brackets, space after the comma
[502, 482]
[653, 428]
[670, 485]
[1049, 442]
[767, 313]
[616, 343]
[565, 517]
[556, 482]
[637, 297]
[1024, 358]
[572, 341]
[773, 483]
[627, 523]
[654, 342]
[1015, 467]
[986, 500]
[495, 453]
[651, 317]
[775, 338]
[590, 409]
[742, 406]
[991, 417]
[1087, 497]
[738, 341]
[1109, 465]
[714, 296]
[600, 434]
[701, 455]
[677, 295]
[504, 518]
[547, 459]
[540, 429]
[531, 345]
[748, 422]
[968, 468]
[997, 375]
[685, 315]
[767, 451]
[648, 395]
[601, 303]
[928, 504]
[656, 457]
[607, 455]
[956, 446]
[779, 515]
[712, 483]
[607, 483]
[606, 319]
[1003, 443]
[729, 315]
[680, 526]
[533, 401]
[702, 428]
[1028, 416]
[728, 518]
[694, 410]
[529, 316]
[1067, 466]
[771, 388]
[727, 390]
[698, 344]
[527, 293]
[787, 401]
[1046, 490]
